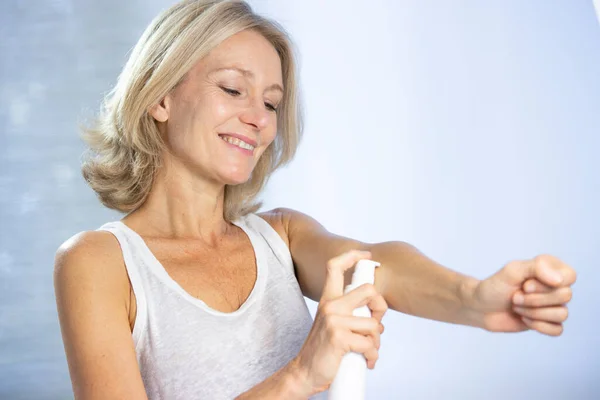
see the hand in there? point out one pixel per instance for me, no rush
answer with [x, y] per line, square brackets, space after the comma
[530, 294]
[336, 331]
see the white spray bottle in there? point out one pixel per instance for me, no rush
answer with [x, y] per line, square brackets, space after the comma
[349, 383]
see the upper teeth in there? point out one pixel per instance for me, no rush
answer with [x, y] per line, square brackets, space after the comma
[237, 142]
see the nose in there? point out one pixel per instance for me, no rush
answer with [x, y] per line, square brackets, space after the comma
[256, 115]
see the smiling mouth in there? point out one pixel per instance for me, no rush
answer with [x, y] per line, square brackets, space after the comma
[237, 142]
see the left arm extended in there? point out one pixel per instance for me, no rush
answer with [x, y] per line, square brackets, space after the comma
[409, 281]
[522, 295]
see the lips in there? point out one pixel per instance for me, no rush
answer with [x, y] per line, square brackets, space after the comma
[241, 137]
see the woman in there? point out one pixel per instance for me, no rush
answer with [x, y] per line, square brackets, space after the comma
[193, 294]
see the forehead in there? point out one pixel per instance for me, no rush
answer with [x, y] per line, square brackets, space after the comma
[247, 50]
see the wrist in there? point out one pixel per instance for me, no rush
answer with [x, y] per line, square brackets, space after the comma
[294, 382]
[286, 383]
[467, 293]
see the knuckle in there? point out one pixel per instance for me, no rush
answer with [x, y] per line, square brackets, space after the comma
[514, 267]
[367, 343]
[532, 313]
[543, 258]
[384, 303]
[370, 289]
[526, 312]
[331, 265]
[534, 301]
[537, 301]
[331, 323]
[327, 308]
[376, 340]
[373, 325]
[374, 355]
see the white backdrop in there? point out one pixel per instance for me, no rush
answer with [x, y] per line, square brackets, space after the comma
[468, 129]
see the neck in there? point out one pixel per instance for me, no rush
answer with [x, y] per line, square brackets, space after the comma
[180, 205]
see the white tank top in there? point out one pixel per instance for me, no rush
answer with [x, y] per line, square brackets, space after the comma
[187, 350]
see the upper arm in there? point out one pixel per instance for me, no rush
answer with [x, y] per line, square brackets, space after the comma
[92, 292]
[311, 246]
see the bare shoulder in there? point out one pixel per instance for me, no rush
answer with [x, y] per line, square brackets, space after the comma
[292, 222]
[287, 221]
[92, 297]
[91, 257]
[311, 246]
[277, 219]
[86, 247]
[94, 243]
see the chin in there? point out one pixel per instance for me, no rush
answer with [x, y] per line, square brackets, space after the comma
[233, 179]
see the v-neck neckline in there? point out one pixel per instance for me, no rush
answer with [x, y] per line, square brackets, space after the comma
[159, 270]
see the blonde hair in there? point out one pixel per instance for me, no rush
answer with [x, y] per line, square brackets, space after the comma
[125, 146]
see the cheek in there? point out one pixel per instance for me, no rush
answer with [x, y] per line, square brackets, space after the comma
[205, 117]
[271, 132]
[220, 107]
[221, 110]
[210, 110]
[268, 138]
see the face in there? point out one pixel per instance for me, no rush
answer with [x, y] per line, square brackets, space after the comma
[220, 119]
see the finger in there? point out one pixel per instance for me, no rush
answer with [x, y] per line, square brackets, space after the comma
[365, 294]
[557, 272]
[334, 280]
[539, 268]
[563, 269]
[361, 325]
[356, 342]
[378, 307]
[547, 314]
[535, 286]
[554, 298]
[547, 328]
[363, 345]
[371, 356]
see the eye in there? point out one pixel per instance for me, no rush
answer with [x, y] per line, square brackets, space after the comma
[231, 92]
[271, 107]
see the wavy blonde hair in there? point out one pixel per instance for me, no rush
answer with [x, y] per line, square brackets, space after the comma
[125, 145]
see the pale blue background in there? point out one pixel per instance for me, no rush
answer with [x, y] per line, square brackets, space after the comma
[467, 128]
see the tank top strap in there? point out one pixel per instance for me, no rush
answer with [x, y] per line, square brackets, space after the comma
[275, 242]
[127, 244]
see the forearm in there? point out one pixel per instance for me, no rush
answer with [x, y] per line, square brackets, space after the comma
[287, 383]
[414, 284]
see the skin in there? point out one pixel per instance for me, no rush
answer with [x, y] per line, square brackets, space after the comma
[182, 223]
[187, 196]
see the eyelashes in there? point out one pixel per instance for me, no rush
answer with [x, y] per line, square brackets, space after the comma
[231, 92]
[235, 93]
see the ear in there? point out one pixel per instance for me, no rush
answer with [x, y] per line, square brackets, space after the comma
[160, 111]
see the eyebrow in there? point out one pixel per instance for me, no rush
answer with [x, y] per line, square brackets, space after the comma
[249, 74]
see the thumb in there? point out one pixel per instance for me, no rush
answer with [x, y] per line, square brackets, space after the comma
[334, 280]
[517, 272]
